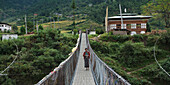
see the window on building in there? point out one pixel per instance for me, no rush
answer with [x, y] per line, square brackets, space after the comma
[118, 24]
[133, 26]
[113, 26]
[2, 25]
[143, 25]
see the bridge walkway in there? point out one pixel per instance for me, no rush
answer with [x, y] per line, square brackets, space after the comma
[82, 76]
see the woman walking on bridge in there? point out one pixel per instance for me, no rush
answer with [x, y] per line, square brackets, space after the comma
[86, 56]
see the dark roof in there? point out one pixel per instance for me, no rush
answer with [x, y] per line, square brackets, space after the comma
[5, 23]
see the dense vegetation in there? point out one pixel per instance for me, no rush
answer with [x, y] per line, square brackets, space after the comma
[160, 12]
[38, 55]
[44, 8]
[14, 11]
[132, 56]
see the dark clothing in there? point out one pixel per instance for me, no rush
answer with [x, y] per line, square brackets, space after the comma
[86, 56]
[86, 61]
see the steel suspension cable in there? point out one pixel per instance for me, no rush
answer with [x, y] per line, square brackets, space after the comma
[12, 61]
[156, 58]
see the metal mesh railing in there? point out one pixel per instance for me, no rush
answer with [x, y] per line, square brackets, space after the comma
[63, 74]
[102, 73]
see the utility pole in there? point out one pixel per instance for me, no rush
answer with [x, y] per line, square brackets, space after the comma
[54, 22]
[58, 21]
[50, 22]
[122, 26]
[106, 20]
[37, 26]
[26, 24]
[34, 21]
[73, 7]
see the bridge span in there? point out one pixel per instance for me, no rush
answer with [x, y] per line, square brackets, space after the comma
[72, 71]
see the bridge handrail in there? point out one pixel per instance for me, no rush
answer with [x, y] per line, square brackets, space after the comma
[102, 73]
[63, 74]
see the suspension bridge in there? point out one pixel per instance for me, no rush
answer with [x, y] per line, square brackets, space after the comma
[72, 71]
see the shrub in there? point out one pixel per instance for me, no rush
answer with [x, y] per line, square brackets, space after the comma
[91, 36]
[134, 54]
[15, 28]
[137, 38]
[114, 38]
[164, 41]
[99, 31]
[8, 31]
[40, 27]
[110, 33]
[22, 30]
[75, 31]
[0, 37]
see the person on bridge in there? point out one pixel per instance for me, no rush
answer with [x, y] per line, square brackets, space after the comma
[86, 56]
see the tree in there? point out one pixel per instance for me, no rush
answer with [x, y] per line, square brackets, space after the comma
[8, 31]
[159, 8]
[73, 6]
[75, 31]
[148, 28]
[15, 28]
[40, 27]
[22, 30]
[30, 26]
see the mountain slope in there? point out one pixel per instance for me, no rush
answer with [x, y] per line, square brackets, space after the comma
[96, 11]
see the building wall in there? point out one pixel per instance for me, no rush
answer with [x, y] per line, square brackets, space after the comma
[138, 26]
[4, 27]
[9, 36]
[92, 32]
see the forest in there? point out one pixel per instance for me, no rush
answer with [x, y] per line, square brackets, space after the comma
[37, 56]
[14, 11]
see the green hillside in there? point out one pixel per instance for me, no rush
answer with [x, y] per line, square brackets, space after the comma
[14, 10]
[17, 8]
[133, 57]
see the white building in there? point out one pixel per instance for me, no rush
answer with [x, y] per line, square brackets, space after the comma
[9, 36]
[5, 27]
[92, 32]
